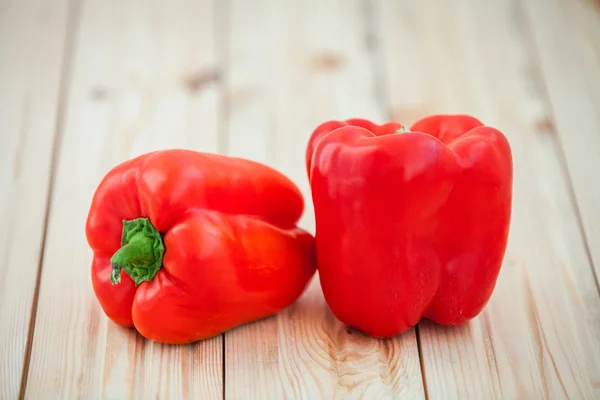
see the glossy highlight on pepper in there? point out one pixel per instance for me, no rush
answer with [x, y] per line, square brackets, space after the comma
[188, 245]
[410, 223]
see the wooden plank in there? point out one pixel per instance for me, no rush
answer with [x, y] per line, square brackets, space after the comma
[570, 66]
[143, 79]
[32, 51]
[290, 68]
[538, 336]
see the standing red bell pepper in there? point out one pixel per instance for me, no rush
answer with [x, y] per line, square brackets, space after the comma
[188, 245]
[409, 224]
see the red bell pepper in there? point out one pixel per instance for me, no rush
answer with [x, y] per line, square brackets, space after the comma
[188, 245]
[409, 223]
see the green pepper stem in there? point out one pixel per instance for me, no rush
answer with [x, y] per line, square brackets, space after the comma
[402, 129]
[141, 253]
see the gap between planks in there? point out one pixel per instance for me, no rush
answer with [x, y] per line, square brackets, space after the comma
[73, 19]
[221, 38]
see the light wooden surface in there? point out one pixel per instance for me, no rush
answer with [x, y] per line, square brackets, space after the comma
[33, 42]
[86, 84]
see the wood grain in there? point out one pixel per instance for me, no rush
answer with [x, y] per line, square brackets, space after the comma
[291, 67]
[538, 337]
[32, 51]
[570, 64]
[142, 79]
[108, 80]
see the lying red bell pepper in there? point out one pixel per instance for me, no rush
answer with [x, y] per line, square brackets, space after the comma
[409, 223]
[188, 245]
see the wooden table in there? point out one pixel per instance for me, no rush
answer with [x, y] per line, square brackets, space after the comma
[86, 84]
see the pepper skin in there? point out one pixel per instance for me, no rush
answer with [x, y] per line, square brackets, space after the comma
[409, 224]
[226, 228]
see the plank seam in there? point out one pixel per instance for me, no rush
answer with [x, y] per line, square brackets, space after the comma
[531, 44]
[221, 40]
[421, 360]
[73, 18]
[223, 364]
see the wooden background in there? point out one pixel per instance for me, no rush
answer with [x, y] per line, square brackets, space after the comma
[86, 84]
